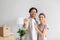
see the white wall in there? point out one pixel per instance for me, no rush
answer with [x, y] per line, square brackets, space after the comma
[10, 10]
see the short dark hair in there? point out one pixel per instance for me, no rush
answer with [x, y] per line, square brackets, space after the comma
[42, 14]
[32, 9]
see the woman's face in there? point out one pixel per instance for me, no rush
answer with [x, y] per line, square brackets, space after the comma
[33, 13]
[41, 18]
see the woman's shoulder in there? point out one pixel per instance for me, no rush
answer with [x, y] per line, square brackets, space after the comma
[46, 26]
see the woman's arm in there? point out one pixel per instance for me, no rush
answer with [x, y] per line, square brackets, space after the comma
[41, 33]
[44, 32]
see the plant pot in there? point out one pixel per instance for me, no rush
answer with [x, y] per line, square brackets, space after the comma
[20, 38]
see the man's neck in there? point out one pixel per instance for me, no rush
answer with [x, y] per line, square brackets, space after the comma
[32, 17]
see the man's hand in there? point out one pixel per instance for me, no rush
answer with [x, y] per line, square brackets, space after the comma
[27, 32]
[25, 23]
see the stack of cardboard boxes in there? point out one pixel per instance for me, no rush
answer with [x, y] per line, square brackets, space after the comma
[5, 33]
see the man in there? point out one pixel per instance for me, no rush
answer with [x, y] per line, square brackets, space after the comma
[29, 25]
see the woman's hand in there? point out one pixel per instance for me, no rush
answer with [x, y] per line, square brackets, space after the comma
[35, 24]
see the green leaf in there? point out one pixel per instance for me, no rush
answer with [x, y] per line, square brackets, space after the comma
[21, 32]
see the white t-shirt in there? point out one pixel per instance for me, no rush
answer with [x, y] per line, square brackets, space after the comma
[33, 30]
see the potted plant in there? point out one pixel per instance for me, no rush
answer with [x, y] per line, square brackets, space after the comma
[21, 33]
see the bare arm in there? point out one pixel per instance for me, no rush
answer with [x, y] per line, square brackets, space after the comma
[41, 33]
[25, 25]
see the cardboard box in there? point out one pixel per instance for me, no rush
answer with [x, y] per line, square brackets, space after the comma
[11, 37]
[4, 31]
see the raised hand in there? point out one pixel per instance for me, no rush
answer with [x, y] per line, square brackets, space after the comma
[25, 23]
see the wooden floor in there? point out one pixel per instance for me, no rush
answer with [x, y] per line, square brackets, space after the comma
[11, 37]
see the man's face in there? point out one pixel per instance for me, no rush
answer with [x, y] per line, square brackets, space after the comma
[33, 13]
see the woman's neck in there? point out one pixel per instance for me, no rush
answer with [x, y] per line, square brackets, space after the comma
[42, 23]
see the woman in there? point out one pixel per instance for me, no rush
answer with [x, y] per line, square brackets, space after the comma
[42, 27]
[29, 25]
